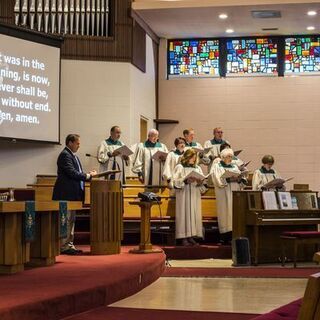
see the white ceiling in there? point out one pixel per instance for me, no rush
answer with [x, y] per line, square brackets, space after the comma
[204, 21]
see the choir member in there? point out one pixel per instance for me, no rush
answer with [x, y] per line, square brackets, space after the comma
[109, 158]
[243, 179]
[173, 159]
[149, 170]
[188, 199]
[265, 174]
[225, 175]
[190, 143]
[188, 134]
[214, 144]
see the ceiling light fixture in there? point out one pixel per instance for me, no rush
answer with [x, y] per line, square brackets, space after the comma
[312, 13]
[229, 31]
[310, 28]
[223, 16]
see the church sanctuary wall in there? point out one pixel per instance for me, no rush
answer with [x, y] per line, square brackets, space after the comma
[94, 96]
[276, 115]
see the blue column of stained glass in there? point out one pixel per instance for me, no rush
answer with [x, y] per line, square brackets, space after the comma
[193, 58]
[302, 55]
[252, 56]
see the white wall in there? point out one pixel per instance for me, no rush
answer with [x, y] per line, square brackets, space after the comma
[94, 97]
[261, 115]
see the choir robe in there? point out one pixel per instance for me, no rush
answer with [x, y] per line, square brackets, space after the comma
[201, 160]
[106, 148]
[193, 144]
[238, 162]
[150, 169]
[172, 160]
[188, 204]
[213, 153]
[223, 191]
[262, 176]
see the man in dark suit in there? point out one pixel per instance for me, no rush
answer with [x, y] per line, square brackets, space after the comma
[69, 185]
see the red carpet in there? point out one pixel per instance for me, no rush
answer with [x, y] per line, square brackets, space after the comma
[250, 272]
[201, 252]
[76, 284]
[109, 313]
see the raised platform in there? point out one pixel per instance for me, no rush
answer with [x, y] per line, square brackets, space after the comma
[76, 284]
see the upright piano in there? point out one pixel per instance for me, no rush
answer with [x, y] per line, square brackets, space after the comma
[264, 227]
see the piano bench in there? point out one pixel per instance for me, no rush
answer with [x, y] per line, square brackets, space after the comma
[298, 238]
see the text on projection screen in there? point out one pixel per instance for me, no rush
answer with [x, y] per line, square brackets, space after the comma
[29, 90]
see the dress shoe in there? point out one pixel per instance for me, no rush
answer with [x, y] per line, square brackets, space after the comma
[185, 243]
[71, 252]
[193, 242]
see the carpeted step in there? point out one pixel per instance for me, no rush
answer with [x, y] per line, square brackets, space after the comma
[76, 284]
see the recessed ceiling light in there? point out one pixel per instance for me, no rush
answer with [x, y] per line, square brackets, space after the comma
[312, 13]
[229, 31]
[310, 28]
[223, 16]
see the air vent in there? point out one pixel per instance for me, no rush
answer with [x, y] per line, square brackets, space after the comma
[265, 14]
[270, 29]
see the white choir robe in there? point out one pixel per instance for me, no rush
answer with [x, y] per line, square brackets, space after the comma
[223, 191]
[193, 145]
[214, 152]
[188, 204]
[172, 160]
[201, 160]
[150, 169]
[262, 176]
[238, 162]
[107, 163]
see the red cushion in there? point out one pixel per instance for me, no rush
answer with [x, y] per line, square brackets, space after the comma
[302, 234]
[287, 312]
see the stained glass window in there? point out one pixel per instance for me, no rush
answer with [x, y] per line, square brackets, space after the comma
[252, 56]
[302, 54]
[193, 58]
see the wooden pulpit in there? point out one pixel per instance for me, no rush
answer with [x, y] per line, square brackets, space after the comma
[106, 217]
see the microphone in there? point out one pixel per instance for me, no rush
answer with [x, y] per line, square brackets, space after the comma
[89, 155]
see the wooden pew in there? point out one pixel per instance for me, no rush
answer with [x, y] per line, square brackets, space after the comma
[310, 308]
[44, 188]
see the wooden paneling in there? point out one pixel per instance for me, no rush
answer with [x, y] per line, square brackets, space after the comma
[6, 11]
[118, 47]
[139, 47]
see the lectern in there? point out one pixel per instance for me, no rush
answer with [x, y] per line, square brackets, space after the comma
[106, 216]
[145, 245]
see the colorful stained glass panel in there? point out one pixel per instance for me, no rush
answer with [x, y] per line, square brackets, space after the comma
[302, 55]
[193, 58]
[252, 56]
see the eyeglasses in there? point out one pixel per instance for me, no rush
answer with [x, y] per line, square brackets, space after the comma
[219, 131]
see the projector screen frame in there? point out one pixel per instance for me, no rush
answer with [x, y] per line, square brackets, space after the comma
[45, 39]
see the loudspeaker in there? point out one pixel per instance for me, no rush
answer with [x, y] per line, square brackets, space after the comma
[241, 252]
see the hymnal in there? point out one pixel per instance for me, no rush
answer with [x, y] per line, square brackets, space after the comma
[160, 154]
[205, 150]
[236, 153]
[285, 201]
[269, 200]
[124, 151]
[196, 175]
[230, 174]
[276, 183]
